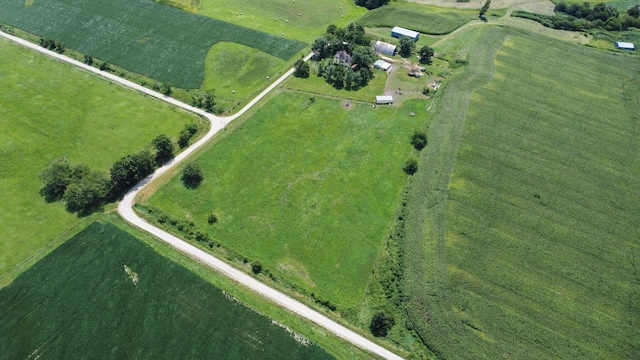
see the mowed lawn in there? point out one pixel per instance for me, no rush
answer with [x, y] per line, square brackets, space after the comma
[50, 110]
[152, 39]
[306, 187]
[543, 230]
[302, 20]
[105, 294]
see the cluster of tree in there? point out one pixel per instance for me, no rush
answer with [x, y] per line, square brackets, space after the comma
[581, 17]
[371, 4]
[301, 69]
[406, 46]
[79, 187]
[84, 190]
[426, 53]
[186, 134]
[203, 100]
[485, 8]
[52, 45]
[344, 57]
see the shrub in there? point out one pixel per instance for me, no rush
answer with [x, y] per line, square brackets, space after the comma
[410, 167]
[256, 267]
[381, 323]
[192, 175]
[419, 140]
[212, 218]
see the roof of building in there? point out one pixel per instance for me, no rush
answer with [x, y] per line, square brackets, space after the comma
[384, 47]
[382, 65]
[624, 45]
[406, 32]
[384, 98]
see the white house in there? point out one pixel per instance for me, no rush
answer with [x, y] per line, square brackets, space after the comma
[384, 99]
[382, 65]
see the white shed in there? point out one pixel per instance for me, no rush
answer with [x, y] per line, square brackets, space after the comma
[385, 48]
[400, 32]
[625, 45]
[382, 65]
[384, 99]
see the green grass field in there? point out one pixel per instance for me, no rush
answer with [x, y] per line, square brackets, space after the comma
[103, 293]
[50, 110]
[155, 40]
[302, 20]
[422, 18]
[302, 178]
[533, 253]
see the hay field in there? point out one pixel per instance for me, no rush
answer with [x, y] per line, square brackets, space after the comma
[533, 252]
[306, 187]
[50, 110]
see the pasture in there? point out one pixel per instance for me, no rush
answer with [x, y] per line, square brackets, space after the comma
[50, 110]
[103, 293]
[303, 176]
[145, 37]
[534, 251]
[302, 20]
[422, 18]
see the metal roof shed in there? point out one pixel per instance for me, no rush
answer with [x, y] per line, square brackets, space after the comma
[384, 99]
[385, 48]
[382, 65]
[400, 32]
[625, 45]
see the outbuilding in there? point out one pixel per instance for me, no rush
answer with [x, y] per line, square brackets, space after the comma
[625, 45]
[400, 32]
[384, 99]
[382, 65]
[385, 48]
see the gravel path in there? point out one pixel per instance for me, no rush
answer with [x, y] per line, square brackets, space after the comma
[125, 208]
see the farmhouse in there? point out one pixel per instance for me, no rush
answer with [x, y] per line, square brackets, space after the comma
[625, 45]
[400, 32]
[385, 48]
[384, 99]
[382, 65]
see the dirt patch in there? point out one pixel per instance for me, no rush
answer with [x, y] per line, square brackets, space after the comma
[132, 275]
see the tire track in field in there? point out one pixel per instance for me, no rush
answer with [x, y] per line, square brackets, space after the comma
[125, 207]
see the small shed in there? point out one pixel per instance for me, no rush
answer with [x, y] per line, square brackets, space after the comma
[625, 45]
[400, 32]
[384, 99]
[382, 65]
[385, 48]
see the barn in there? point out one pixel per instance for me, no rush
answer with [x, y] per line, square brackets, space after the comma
[382, 65]
[385, 48]
[384, 99]
[400, 32]
[625, 45]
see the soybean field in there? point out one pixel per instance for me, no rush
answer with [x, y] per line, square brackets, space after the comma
[149, 38]
[105, 294]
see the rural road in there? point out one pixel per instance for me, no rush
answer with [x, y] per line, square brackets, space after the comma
[125, 207]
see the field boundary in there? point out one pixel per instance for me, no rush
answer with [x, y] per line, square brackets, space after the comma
[125, 207]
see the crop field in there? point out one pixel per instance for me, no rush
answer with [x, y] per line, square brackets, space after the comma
[50, 110]
[104, 293]
[422, 18]
[302, 20]
[300, 178]
[152, 39]
[539, 255]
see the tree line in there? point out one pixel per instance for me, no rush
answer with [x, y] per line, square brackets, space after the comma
[84, 190]
[581, 17]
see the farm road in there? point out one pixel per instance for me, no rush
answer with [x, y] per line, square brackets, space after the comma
[125, 207]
